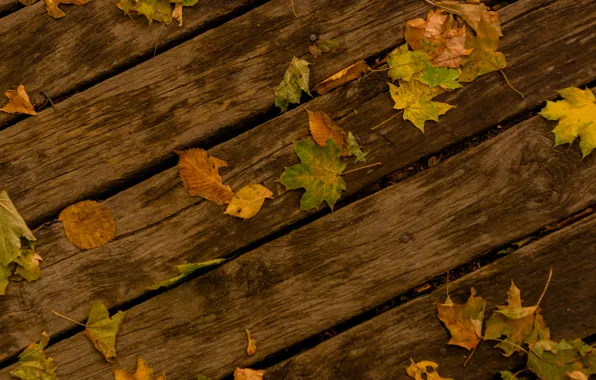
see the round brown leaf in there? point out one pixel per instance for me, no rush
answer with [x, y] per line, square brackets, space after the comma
[88, 224]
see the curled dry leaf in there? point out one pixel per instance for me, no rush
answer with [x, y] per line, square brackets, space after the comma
[322, 128]
[251, 347]
[248, 374]
[143, 372]
[425, 368]
[473, 13]
[55, 12]
[200, 174]
[342, 77]
[464, 321]
[248, 201]
[34, 364]
[177, 13]
[296, 79]
[88, 224]
[101, 329]
[18, 102]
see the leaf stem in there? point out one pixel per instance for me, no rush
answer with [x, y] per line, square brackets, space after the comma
[68, 319]
[383, 122]
[470, 356]
[377, 70]
[510, 85]
[362, 167]
[157, 39]
[550, 275]
[293, 8]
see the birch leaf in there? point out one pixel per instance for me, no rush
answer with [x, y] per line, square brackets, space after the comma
[12, 229]
[248, 201]
[464, 321]
[18, 102]
[200, 174]
[34, 364]
[88, 224]
[101, 329]
[295, 81]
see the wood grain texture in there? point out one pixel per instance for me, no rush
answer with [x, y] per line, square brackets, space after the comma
[333, 268]
[381, 348]
[89, 44]
[159, 225]
[9, 6]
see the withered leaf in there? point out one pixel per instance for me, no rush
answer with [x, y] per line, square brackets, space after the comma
[355, 150]
[34, 364]
[554, 361]
[425, 368]
[251, 347]
[28, 265]
[248, 201]
[153, 10]
[18, 102]
[177, 13]
[88, 224]
[342, 77]
[143, 372]
[473, 13]
[248, 374]
[323, 46]
[200, 174]
[55, 12]
[464, 321]
[296, 79]
[322, 128]
[101, 329]
[485, 58]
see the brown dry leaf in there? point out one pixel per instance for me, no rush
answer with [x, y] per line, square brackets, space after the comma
[322, 128]
[88, 224]
[55, 12]
[251, 348]
[248, 201]
[418, 370]
[464, 321]
[200, 174]
[577, 375]
[143, 372]
[473, 13]
[177, 13]
[18, 102]
[248, 374]
[342, 77]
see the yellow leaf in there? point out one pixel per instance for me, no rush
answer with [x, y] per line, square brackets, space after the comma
[55, 12]
[248, 374]
[143, 372]
[485, 58]
[200, 174]
[88, 224]
[248, 201]
[18, 102]
[101, 329]
[464, 321]
[251, 348]
[417, 370]
[322, 128]
[342, 77]
[177, 13]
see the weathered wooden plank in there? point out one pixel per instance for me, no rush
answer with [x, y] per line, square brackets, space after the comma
[328, 271]
[381, 348]
[89, 44]
[159, 225]
[9, 6]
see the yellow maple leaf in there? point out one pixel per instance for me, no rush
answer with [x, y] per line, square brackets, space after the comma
[143, 372]
[464, 321]
[417, 370]
[18, 102]
[55, 12]
[322, 128]
[248, 374]
[200, 174]
[577, 118]
[88, 224]
[248, 201]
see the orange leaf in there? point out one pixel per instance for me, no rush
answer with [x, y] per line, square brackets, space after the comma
[200, 174]
[88, 224]
[18, 102]
[340, 78]
[322, 127]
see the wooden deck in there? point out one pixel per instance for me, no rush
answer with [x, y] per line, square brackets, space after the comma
[326, 295]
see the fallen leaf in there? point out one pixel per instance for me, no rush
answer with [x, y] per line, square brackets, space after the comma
[101, 329]
[28, 265]
[577, 375]
[404, 63]
[323, 46]
[18, 102]
[453, 50]
[322, 128]
[355, 150]
[440, 77]
[295, 81]
[417, 370]
[319, 173]
[342, 77]
[185, 270]
[12, 229]
[33, 363]
[248, 201]
[485, 58]
[553, 361]
[177, 13]
[153, 10]
[472, 14]
[464, 321]
[248, 374]
[88, 224]
[55, 12]
[200, 174]
[251, 347]
[5, 273]
[577, 118]
[143, 372]
[506, 375]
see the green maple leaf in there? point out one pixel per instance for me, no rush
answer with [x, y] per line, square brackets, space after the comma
[577, 118]
[404, 63]
[154, 10]
[33, 363]
[440, 77]
[319, 172]
[354, 148]
[185, 270]
[295, 81]
[12, 229]
[553, 361]
[484, 58]
[102, 329]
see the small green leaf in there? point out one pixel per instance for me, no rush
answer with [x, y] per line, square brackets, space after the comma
[185, 270]
[440, 77]
[33, 363]
[354, 149]
[102, 329]
[295, 81]
[12, 229]
[404, 63]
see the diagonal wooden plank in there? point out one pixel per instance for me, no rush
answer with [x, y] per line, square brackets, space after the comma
[160, 226]
[344, 263]
[382, 346]
[9, 6]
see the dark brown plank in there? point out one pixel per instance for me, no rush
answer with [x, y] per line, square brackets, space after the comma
[160, 226]
[382, 347]
[90, 44]
[330, 270]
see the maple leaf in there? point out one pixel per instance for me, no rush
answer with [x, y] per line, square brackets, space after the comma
[143, 372]
[577, 118]
[177, 13]
[417, 370]
[440, 77]
[553, 361]
[248, 374]
[251, 347]
[322, 128]
[200, 175]
[464, 321]
[520, 325]
[185, 270]
[485, 58]
[18, 102]
[248, 201]
[323, 46]
[101, 329]
[342, 77]
[28, 265]
[404, 63]
[295, 81]
[354, 149]
[414, 98]
[12, 229]
[473, 14]
[33, 363]
[88, 224]
[319, 173]
[55, 12]
[153, 10]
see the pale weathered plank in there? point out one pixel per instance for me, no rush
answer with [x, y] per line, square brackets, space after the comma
[159, 225]
[381, 348]
[332, 269]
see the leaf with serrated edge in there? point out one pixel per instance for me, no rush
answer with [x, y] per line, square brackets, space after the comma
[34, 364]
[12, 229]
[153, 10]
[296, 79]
[553, 361]
[143, 372]
[199, 173]
[101, 329]
[88, 224]
[473, 14]
[248, 201]
[485, 58]
[464, 321]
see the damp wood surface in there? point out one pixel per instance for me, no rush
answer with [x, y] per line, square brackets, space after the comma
[121, 112]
